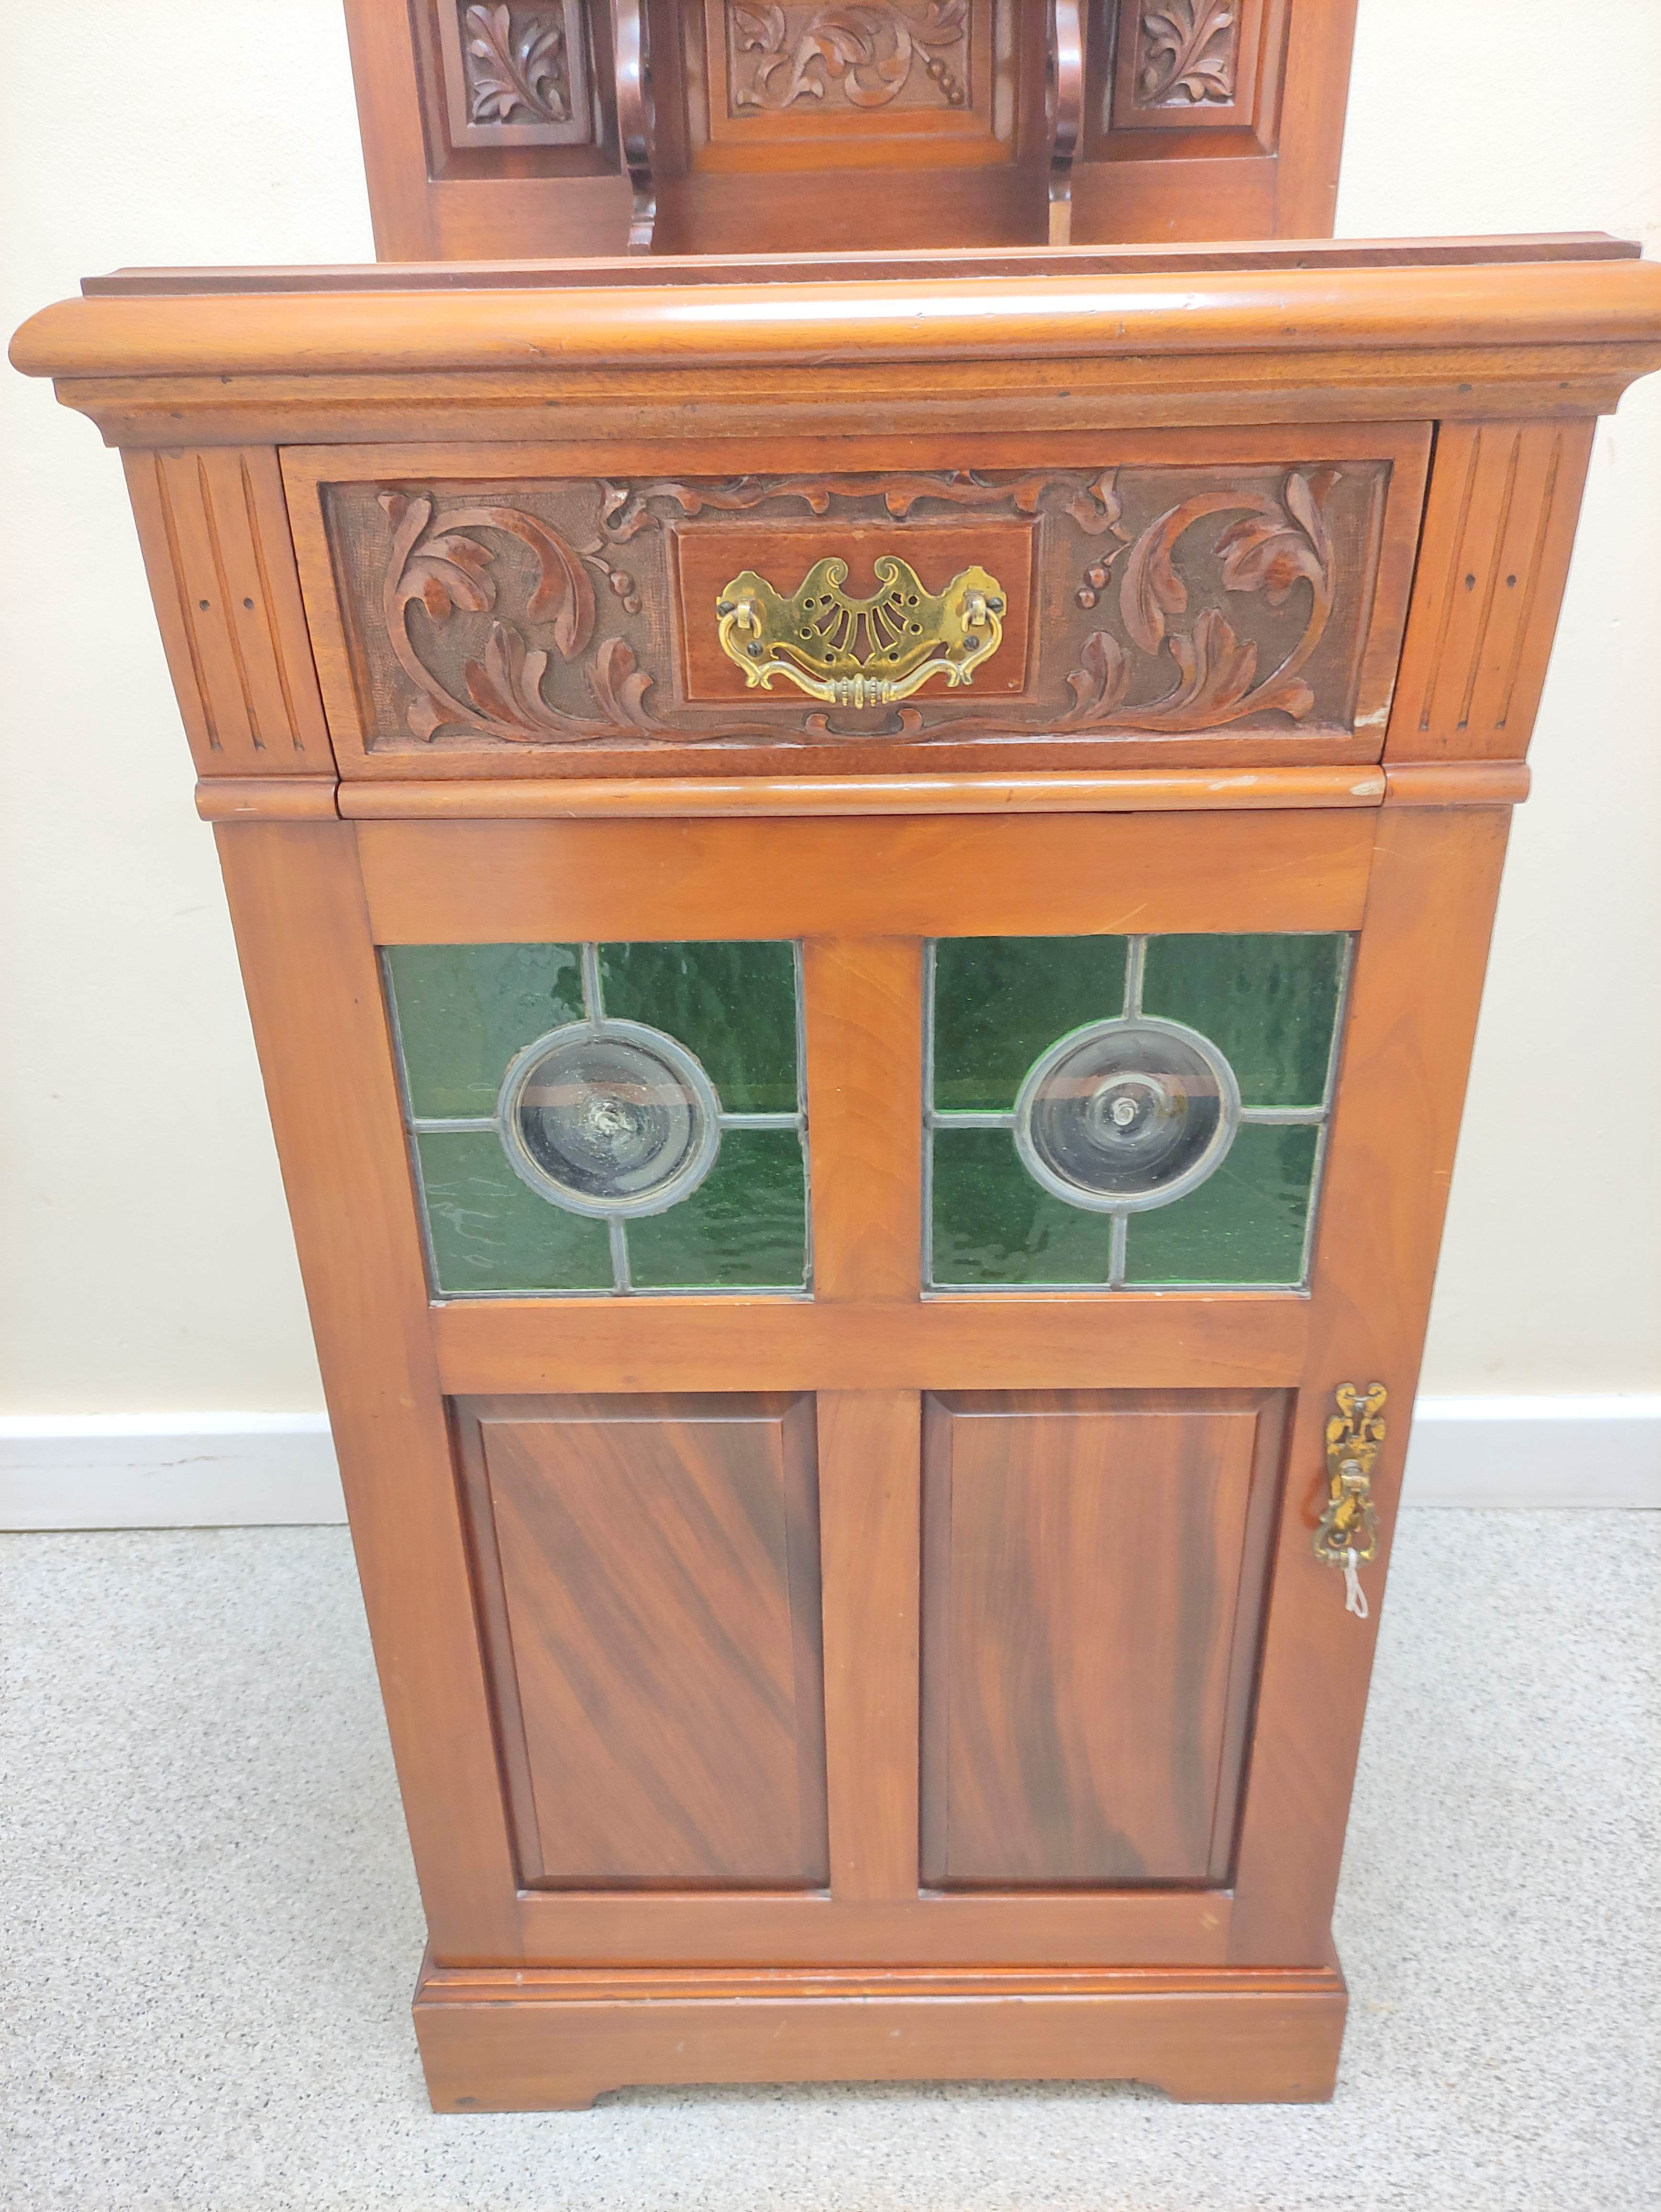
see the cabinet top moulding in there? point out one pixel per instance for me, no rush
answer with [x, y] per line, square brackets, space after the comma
[1341, 337]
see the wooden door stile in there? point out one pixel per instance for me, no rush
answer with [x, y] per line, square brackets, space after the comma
[1413, 998]
[870, 1460]
[321, 1029]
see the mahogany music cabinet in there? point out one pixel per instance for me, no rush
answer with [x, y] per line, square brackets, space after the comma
[864, 885]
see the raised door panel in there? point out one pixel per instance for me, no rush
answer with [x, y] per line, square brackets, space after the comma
[1091, 1586]
[648, 1573]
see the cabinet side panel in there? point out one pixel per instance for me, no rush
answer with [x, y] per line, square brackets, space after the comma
[1082, 1580]
[660, 1583]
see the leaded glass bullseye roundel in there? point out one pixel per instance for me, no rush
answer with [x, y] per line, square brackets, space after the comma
[1126, 1115]
[610, 1118]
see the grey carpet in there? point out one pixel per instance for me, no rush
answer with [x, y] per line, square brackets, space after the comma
[211, 1930]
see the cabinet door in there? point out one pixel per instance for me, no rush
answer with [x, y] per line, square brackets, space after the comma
[650, 1573]
[1088, 1696]
[1092, 1571]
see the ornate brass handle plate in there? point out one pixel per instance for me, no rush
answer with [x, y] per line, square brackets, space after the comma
[1347, 1535]
[862, 653]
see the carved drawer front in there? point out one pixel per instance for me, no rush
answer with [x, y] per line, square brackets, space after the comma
[1169, 600]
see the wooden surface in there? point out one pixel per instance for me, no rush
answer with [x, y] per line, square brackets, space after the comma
[520, 2043]
[871, 351]
[535, 882]
[864, 1023]
[1164, 1338]
[636, 542]
[659, 1572]
[783, 133]
[686, 798]
[214, 530]
[1401, 1088]
[869, 1459]
[1499, 529]
[309, 969]
[1084, 1578]
[1257, 156]
[913, 315]
[1176, 790]
[389, 275]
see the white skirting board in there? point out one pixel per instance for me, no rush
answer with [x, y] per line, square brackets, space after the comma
[233, 1470]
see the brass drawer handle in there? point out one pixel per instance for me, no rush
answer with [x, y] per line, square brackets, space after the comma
[1348, 1534]
[862, 653]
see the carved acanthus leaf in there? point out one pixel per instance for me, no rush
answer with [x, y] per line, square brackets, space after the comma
[515, 60]
[453, 572]
[1271, 547]
[1189, 53]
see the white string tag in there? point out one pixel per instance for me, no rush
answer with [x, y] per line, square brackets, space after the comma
[1355, 1598]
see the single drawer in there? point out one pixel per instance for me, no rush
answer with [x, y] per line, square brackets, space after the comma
[1181, 598]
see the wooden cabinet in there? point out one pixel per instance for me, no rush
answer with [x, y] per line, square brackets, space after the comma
[719, 126]
[864, 898]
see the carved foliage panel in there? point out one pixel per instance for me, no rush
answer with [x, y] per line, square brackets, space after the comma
[861, 77]
[898, 54]
[516, 72]
[1190, 64]
[1165, 600]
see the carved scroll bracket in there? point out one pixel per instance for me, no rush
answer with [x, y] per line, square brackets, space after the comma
[635, 119]
[1067, 37]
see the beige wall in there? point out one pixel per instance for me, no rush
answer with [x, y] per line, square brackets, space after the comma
[147, 1264]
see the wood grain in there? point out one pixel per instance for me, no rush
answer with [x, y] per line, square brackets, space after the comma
[392, 274]
[1035, 1928]
[659, 1566]
[1499, 529]
[367, 663]
[540, 882]
[1172, 1339]
[214, 529]
[1082, 1581]
[1401, 1088]
[686, 798]
[869, 1463]
[863, 1016]
[320, 1030]
[514, 2044]
[916, 315]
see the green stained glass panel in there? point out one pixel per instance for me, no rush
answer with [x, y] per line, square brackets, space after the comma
[743, 1228]
[992, 1224]
[733, 1005]
[1245, 1224]
[492, 1234]
[1268, 1003]
[464, 1010]
[1000, 1001]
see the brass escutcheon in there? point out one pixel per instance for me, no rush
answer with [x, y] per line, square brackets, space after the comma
[1347, 1535]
